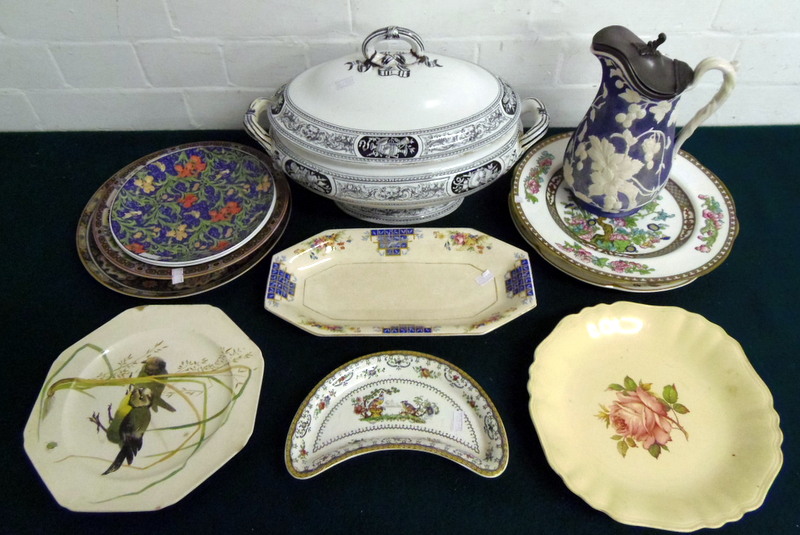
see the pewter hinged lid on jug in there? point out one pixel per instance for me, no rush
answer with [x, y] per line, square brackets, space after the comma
[651, 73]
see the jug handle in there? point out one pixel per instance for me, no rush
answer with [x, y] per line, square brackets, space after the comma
[539, 127]
[728, 70]
[254, 128]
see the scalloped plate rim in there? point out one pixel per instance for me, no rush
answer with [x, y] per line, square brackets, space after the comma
[624, 515]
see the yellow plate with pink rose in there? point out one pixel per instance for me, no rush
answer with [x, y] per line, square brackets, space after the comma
[655, 416]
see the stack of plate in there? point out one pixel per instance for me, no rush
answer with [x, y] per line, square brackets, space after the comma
[687, 232]
[183, 220]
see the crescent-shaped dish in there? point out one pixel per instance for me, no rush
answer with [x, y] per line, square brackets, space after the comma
[397, 400]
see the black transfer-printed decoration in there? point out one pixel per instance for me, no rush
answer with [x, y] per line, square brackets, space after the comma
[392, 63]
[308, 177]
[400, 147]
[476, 178]
[509, 99]
[278, 100]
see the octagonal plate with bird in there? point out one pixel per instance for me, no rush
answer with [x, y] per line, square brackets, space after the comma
[138, 413]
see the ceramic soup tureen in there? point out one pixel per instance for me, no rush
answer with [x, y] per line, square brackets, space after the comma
[395, 135]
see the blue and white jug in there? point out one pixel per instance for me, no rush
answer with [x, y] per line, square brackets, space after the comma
[620, 155]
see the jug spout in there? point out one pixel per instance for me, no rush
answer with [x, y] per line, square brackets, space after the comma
[650, 72]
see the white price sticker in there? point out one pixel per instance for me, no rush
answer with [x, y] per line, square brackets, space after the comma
[458, 421]
[177, 275]
[484, 277]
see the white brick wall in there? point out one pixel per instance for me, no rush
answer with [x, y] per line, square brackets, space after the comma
[185, 64]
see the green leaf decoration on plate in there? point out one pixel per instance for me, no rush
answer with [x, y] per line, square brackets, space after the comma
[192, 204]
[638, 232]
[621, 266]
[536, 176]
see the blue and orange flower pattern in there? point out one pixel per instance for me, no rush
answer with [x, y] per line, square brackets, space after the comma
[192, 204]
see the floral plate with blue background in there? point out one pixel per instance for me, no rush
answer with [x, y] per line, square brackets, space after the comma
[655, 416]
[686, 232]
[193, 203]
[115, 261]
[104, 261]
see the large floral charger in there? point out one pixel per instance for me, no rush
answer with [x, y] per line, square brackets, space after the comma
[103, 259]
[655, 416]
[686, 232]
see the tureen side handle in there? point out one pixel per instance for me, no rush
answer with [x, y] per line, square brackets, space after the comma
[540, 124]
[253, 126]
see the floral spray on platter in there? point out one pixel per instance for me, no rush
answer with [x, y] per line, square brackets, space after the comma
[620, 155]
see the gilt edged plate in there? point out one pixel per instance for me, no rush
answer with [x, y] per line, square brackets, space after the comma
[104, 261]
[686, 232]
[191, 204]
[397, 400]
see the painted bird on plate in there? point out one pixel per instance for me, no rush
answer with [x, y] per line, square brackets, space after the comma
[128, 425]
[156, 366]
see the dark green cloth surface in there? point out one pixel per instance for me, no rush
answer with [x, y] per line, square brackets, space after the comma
[49, 302]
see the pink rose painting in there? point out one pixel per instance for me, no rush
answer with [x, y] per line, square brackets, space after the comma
[642, 419]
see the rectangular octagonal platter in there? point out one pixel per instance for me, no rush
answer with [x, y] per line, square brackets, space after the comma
[400, 281]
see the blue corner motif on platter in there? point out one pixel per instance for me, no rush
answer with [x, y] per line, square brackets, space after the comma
[392, 241]
[281, 285]
[519, 281]
[407, 329]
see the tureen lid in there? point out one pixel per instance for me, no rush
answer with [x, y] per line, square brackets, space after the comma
[395, 88]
